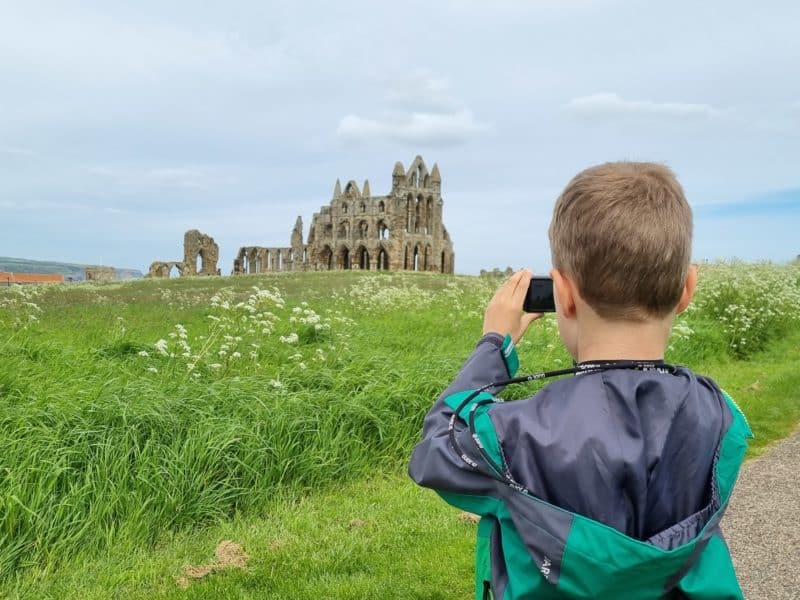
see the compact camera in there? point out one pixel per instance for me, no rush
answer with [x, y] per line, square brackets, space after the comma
[540, 296]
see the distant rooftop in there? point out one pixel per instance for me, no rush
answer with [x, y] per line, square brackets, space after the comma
[9, 278]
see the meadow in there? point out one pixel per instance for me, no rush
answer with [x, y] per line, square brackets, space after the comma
[143, 421]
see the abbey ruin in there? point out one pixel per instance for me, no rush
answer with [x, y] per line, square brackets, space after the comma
[402, 231]
[200, 256]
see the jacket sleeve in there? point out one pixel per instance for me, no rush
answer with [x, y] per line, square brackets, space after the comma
[435, 463]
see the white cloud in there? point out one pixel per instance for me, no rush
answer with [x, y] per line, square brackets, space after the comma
[187, 177]
[613, 105]
[422, 111]
[432, 129]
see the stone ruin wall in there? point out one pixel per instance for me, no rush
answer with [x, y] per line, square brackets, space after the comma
[402, 231]
[195, 245]
[159, 269]
[260, 259]
[100, 274]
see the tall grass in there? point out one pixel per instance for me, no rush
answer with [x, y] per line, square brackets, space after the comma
[140, 409]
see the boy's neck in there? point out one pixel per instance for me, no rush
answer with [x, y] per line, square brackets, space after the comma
[599, 339]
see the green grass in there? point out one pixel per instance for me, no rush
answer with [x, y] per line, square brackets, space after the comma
[378, 538]
[766, 387]
[118, 467]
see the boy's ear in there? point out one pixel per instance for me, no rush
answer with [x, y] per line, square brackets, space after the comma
[565, 293]
[688, 289]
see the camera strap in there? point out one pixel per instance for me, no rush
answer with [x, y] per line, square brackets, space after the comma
[501, 471]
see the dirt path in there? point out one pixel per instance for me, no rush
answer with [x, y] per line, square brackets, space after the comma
[762, 524]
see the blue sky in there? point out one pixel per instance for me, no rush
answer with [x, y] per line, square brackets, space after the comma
[124, 124]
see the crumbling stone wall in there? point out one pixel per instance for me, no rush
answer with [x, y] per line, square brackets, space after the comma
[100, 273]
[162, 269]
[195, 244]
[403, 230]
[258, 259]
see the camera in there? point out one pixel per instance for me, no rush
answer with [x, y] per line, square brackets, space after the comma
[539, 297]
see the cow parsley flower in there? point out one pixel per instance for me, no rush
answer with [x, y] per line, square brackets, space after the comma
[161, 347]
[292, 338]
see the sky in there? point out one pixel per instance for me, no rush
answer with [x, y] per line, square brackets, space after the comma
[124, 124]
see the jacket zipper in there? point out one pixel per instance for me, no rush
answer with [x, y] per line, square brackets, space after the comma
[741, 412]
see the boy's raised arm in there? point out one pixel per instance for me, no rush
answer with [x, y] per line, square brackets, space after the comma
[435, 462]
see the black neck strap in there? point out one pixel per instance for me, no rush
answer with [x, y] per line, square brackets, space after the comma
[589, 367]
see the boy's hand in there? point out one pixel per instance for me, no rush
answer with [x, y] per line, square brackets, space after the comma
[504, 312]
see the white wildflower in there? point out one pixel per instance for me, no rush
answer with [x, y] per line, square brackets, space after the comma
[292, 338]
[161, 347]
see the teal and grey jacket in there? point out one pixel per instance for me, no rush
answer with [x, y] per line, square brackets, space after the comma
[607, 484]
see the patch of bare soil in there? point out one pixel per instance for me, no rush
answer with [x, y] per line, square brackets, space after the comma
[466, 517]
[356, 523]
[228, 555]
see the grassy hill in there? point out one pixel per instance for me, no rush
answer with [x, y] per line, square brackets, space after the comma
[68, 270]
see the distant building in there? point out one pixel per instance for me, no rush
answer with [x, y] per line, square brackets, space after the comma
[30, 278]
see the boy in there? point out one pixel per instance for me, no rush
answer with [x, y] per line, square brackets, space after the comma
[610, 483]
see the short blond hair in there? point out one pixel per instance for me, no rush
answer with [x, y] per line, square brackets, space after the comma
[623, 232]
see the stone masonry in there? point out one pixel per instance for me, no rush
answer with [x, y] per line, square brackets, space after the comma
[100, 273]
[259, 259]
[200, 257]
[402, 231]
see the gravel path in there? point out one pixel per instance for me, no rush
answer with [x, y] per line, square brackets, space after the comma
[762, 524]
